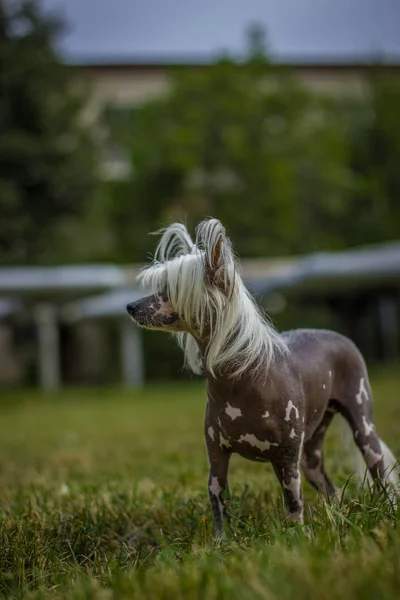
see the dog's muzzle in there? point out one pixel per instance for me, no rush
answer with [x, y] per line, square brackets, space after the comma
[133, 308]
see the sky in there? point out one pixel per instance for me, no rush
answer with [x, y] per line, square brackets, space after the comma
[174, 28]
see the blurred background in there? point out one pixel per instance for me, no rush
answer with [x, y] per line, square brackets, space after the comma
[282, 119]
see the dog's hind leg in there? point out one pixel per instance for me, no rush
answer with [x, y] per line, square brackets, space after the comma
[313, 458]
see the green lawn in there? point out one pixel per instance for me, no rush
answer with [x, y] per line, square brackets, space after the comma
[103, 495]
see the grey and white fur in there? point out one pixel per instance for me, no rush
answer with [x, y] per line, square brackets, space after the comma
[271, 396]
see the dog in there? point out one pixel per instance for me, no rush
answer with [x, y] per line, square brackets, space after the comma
[271, 396]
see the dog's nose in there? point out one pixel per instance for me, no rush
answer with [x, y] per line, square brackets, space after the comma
[132, 307]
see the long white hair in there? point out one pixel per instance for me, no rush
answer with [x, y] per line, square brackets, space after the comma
[207, 292]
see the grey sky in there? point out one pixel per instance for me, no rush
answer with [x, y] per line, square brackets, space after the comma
[153, 28]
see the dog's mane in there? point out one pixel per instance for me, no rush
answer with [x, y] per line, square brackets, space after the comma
[240, 337]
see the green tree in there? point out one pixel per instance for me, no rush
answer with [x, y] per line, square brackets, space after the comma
[240, 141]
[47, 163]
[373, 134]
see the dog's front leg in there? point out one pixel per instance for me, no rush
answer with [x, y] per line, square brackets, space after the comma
[287, 469]
[218, 482]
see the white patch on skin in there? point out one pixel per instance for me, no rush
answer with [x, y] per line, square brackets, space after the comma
[289, 409]
[219, 422]
[251, 439]
[368, 427]
[214, 487]
[210, 432]
[233, 412]
[301, 443]
[294, 486]
[265, 415]
[371, 456]
[164, 309]
[215, 490]
[318, 453]
[223, 441]
[362, 394]
[292, 434]
[330, 373]
[323, 386]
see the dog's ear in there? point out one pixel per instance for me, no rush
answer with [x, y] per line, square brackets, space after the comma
[220, 263]
[175, 241]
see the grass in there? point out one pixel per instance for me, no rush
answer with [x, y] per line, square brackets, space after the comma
[103, 495]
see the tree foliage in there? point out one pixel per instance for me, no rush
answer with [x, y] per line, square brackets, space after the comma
[47, 164]
[287, 170]
[373, 135]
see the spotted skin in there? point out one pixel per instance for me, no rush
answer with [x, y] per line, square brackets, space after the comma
[281, 418]
[155, 312]
[284, 419]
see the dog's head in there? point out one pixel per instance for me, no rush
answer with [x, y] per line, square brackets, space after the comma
[191, 282]
[198, 295]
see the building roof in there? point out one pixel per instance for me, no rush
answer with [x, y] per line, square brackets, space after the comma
[132, 63]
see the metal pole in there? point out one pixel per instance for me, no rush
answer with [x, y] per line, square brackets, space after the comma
[49, 346]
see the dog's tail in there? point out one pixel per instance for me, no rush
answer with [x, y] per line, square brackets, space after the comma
[391, 469]
[391, 474]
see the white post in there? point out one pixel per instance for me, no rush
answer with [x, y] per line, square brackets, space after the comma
[131, 354]
[49, 348]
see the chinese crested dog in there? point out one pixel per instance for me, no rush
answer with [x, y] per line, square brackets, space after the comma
[271, 396]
